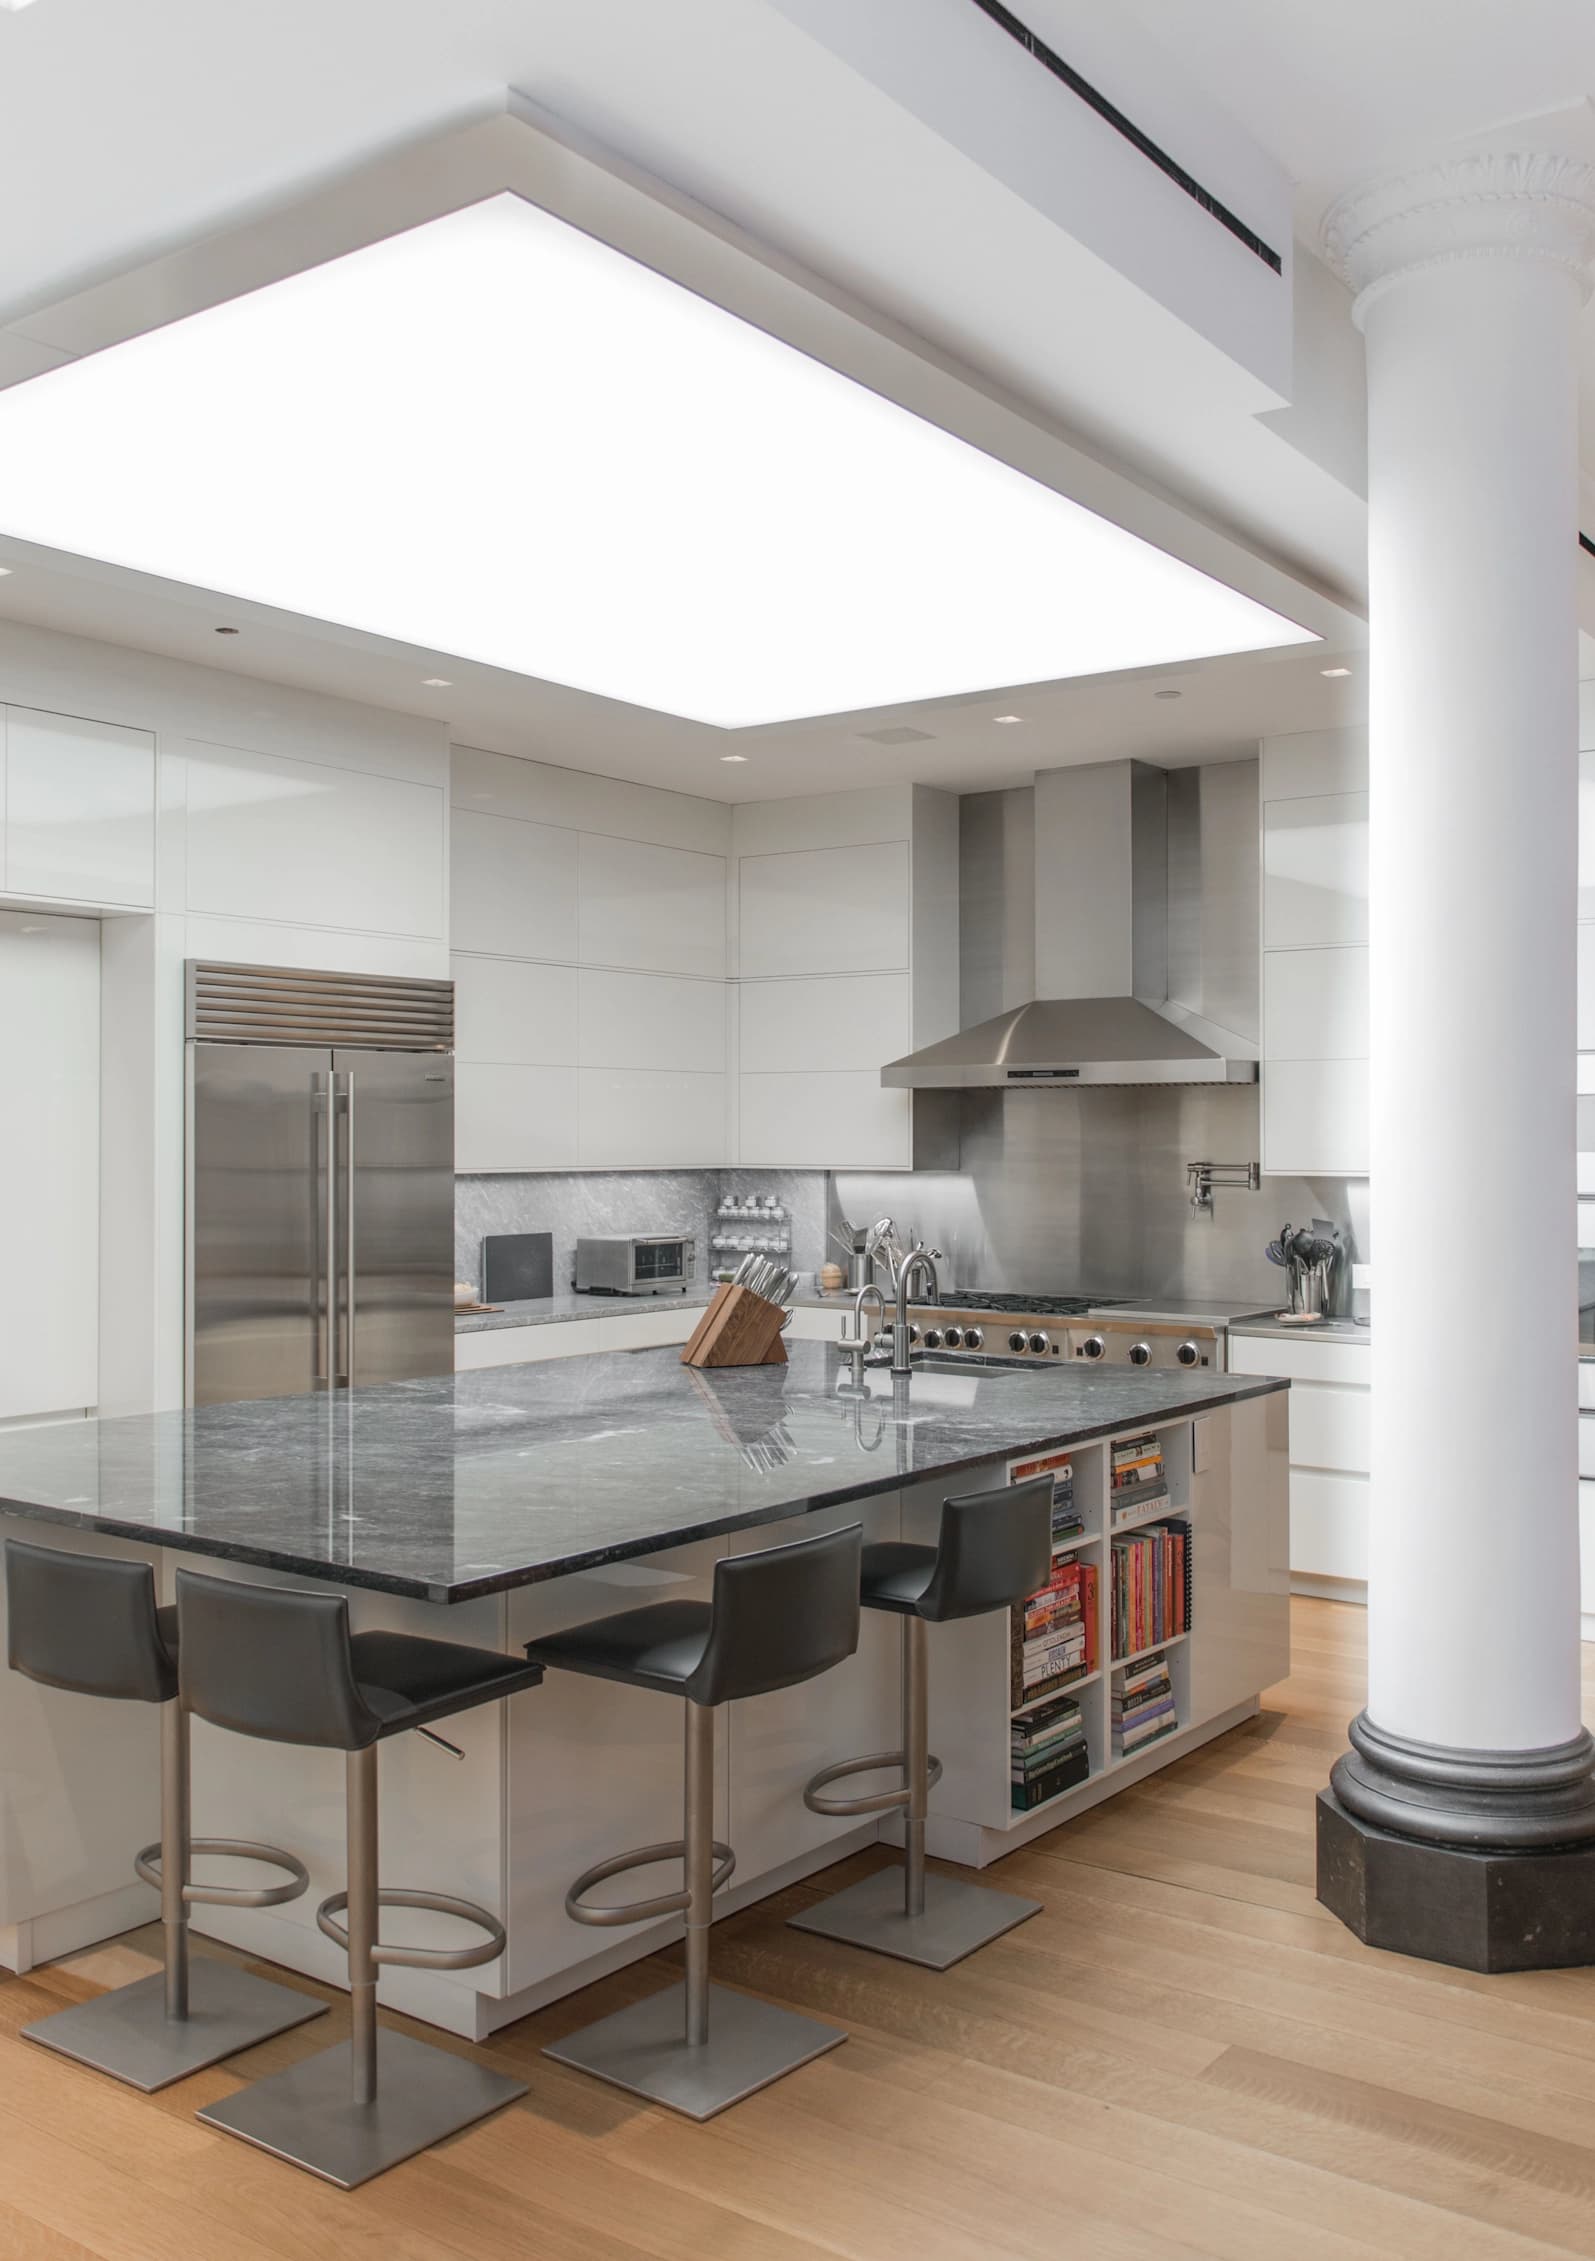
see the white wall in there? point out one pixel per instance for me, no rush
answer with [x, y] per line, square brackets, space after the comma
[289, 829]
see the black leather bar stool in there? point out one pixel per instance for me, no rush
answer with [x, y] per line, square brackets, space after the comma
[88, 1623]
[779, 1617]
[994, 1549]
[283, 1666]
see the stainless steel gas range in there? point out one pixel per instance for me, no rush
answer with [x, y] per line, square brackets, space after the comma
[1045, 1327]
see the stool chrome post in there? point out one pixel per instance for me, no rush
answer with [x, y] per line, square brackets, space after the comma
[360, 1769]
[778, 1618]
[994, 1549]
[698, 1837]
[175, 1814]
[89, 1623]
[916, 1755]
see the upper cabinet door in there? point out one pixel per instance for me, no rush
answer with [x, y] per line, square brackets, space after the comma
[1315, 871]
[513, 892]
[652, 909]
[825, 910]
[80, 808]
[311, 844]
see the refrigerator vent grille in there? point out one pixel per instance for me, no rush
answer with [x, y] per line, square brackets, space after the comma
[287, 1005]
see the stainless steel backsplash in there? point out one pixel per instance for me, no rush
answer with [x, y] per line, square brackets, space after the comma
[1084, 1191]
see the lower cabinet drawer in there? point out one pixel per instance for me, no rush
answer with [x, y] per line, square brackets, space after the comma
[518, 1346]
[1328, 1524]
[1329, 1427]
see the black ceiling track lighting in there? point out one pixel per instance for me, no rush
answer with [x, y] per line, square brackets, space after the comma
[1585, 543]
[1115, 117]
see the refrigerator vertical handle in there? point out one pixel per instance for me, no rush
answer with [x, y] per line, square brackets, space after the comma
[323, 1109]
[349, 1279]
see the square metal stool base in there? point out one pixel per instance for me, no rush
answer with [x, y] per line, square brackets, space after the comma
[643, 2049]
[127, 2033]
[958, 1918]
[304, 2115]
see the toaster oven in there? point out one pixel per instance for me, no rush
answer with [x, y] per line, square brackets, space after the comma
[637, 1264]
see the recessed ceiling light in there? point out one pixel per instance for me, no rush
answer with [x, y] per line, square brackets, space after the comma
[5, 569]
[437, 683]
[1166, 694]
[790, 543]
[733, 757]
[13, 7]
[1334, 671]
[1007, 718]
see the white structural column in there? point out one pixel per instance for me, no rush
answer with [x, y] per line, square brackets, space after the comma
[1470, 279]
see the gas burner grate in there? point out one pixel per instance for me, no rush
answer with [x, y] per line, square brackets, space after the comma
[1026, 1306]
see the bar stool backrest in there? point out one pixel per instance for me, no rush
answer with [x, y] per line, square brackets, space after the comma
[995, 1548]
[270, 1662]
[86, 1622]
[780, 1616]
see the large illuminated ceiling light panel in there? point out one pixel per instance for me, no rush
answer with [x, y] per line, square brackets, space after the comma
[495, 437]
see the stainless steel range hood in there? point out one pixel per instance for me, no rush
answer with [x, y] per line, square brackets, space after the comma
[1133, 877]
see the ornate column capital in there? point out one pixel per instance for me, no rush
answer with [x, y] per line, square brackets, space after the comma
[1527, 204]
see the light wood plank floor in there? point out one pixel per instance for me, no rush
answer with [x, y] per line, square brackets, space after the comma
[1183, 2056]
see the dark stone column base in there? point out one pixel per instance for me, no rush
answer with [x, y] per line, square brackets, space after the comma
[1483, 1910]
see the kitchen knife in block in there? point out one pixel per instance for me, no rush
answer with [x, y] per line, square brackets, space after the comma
[738, 1329]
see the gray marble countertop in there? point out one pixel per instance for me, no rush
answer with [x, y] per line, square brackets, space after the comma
[1327, 1330]
[541, 1310]
[467, 1484]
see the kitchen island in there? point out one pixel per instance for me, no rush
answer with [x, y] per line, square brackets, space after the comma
[496, 1506]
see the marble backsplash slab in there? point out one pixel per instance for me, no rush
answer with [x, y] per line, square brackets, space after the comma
[579, 1204]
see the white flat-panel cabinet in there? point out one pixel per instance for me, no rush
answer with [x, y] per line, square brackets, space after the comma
[657, 1021]
[836, 1023]
[513, 887]
[514, 1012]
[676, 1119]
[313, 845]
[79, 809]
[655, 909]
[1315, 871]
[812, 1122]
[831, 910]
[1315, 1118]
[512, 1117]
[49, 1164]
[847, 957]
[1315, 955]
[1330, 1401]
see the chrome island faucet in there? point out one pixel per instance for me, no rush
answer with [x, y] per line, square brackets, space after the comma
[857, 1344]
[918, 1259]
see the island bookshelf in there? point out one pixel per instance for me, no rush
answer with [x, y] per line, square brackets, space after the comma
[1234, 1645]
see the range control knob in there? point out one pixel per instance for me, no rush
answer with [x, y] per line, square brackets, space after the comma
[1188, 1354]
[1140, 1354]
[1016, 1341]
[973, 1337]
[913, 1334]
[1040, 1345]
[933, 1338]
[953, 1337]
[1093, 1347]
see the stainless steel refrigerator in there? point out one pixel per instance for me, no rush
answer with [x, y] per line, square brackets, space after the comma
[320, 1181]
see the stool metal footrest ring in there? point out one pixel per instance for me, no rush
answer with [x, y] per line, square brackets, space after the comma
[148, 1866]
[875, 1801]
[421, 1958]
[642, 1911]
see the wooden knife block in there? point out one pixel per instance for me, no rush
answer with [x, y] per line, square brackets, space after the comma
[738, 1329]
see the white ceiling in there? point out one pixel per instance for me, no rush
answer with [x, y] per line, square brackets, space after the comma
[125, 131]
